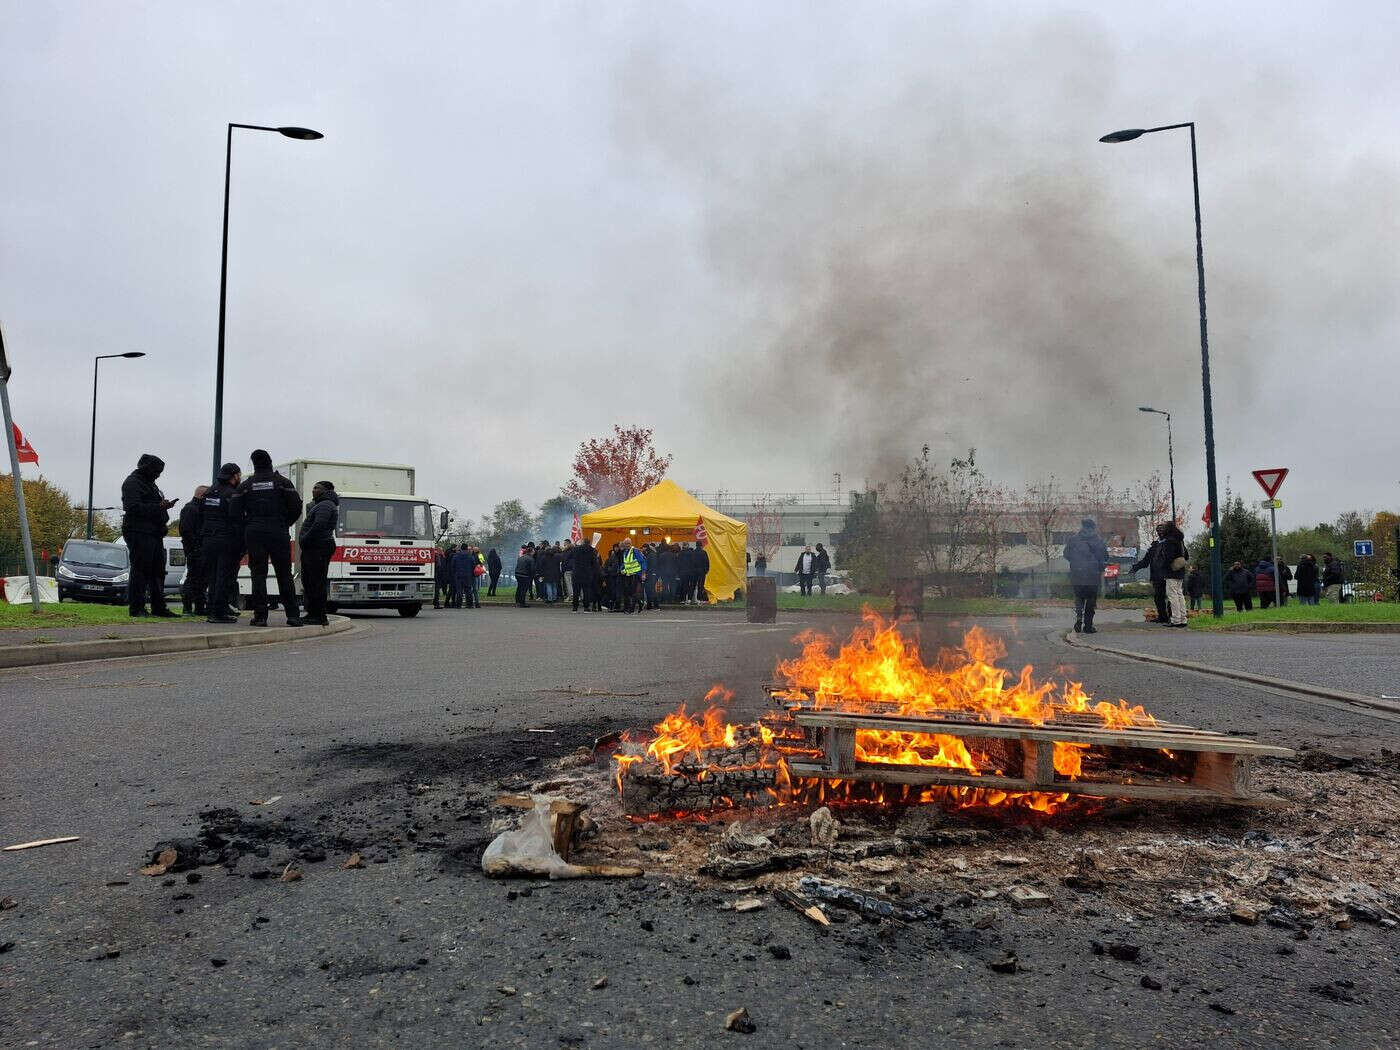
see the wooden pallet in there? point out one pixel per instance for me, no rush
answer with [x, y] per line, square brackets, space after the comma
[1221, 769]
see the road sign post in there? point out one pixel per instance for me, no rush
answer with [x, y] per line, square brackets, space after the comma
[1363, 549]
[1270, 480]
[19, 483]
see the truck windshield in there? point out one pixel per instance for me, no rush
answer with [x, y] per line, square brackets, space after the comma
[96, 555]
[384, 519]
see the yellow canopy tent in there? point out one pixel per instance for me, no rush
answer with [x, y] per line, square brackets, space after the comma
[668, 511]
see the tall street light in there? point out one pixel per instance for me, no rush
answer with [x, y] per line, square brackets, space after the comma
[305, 134]
[92, 449]
[1171, 463]
[1216, 575]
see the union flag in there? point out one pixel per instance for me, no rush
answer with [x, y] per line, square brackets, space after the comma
[701, 536]
[23, 447]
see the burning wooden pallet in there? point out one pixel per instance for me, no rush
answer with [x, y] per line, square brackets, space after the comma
[1123, 761]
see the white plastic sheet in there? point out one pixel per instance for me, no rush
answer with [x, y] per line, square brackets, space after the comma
[17, 589]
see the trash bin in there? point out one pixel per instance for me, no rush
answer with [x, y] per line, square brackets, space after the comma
[909, 597]
[762, 599]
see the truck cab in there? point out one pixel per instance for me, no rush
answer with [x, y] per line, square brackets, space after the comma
[384, 550]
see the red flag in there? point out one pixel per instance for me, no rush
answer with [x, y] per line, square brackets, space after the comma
[701, 536]
[1205, 518]
[23, 447]
[576, 530]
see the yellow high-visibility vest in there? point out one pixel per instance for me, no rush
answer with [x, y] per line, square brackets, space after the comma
[630, 565]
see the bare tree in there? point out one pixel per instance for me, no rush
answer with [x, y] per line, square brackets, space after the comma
[765, 529]
[1153, 495]
[1098, 497]
[1042, 505]
[939, 514]
[994, 510]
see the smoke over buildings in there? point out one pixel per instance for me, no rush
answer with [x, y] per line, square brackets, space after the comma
[932, 246]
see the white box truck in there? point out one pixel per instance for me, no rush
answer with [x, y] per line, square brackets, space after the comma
[384, 536]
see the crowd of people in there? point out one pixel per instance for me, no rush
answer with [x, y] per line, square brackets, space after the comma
[630, 579]
[1177, 582]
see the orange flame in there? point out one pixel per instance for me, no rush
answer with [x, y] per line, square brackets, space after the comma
[879, 670]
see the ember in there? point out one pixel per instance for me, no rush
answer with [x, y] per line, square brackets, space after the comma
[871, 722]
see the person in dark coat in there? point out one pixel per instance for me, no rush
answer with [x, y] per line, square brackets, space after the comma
[1174, 568]
[1307, 580]
[587, 571]
[524, 574]
[1087, 555]
[463, 565]
[191, 536]
[760, 565]
[316, 541]
[700, 561]
[145, 514]
[442, 576]
[1264, 582]
[270, 505]
[553, 573]
[1152, 561]
[1239, 584]
[222, 542]
[612, 589]
[1332, 578]
[1285, 576]
[823, 566]
[805, 568]
[493, 569]
[1195, 586]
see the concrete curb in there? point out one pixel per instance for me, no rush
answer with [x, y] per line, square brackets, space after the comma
[1281, 684]
[153, 645]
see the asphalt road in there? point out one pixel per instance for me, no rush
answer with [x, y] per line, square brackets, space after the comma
[1366, 664]
[360, 733]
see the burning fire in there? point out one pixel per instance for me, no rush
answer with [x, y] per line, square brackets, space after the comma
[878, 670]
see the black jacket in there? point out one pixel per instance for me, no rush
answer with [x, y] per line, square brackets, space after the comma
[1331, 573]
[524, 567]
[143, 504]
[1239, 582]
[1173, 547]
[221, 518]
[1152, 561]
[1195, 583]
[268, 501]
[798, 567]
[192, 525]
[1307, 578]
[1087, 555]
[318, 528]
[700, 563]
[493, 563]
[587, 568]
[823, 560]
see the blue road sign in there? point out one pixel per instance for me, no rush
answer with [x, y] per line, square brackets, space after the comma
[1362, 549]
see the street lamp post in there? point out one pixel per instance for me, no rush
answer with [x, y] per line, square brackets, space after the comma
[1216, 574]
[1171, 462]
[92, 448]
[305, 134]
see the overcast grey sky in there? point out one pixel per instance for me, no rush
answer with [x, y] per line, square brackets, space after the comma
[795, 239]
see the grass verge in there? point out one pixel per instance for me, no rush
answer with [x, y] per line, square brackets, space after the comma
[1263, 619]
[68, 614]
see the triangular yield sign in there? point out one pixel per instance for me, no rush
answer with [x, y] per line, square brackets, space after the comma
[1270, 480]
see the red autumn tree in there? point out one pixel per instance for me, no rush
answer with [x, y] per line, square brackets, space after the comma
[608, 470]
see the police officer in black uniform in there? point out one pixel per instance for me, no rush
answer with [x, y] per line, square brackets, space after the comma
[222, 544]
[269, 504]
[145, 514]
[196, 583]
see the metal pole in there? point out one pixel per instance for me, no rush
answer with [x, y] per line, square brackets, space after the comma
[19, 494]
[92, 448]
[1171, 468]
[1273, 537]
[1397, 563]
[223, 299]
[1217, 576]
